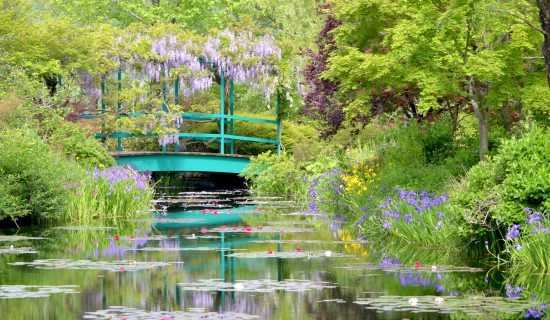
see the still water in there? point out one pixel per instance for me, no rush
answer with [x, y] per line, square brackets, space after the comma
[227, 255]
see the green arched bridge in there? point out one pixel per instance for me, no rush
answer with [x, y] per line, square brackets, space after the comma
[225, 160]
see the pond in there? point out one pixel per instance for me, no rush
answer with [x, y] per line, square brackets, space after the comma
[228, 255]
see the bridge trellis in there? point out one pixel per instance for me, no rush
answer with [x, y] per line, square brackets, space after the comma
[225, 121]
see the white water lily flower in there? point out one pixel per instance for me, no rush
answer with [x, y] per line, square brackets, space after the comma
[239, 286]
[434, 268]
[413, 302]
[328, 253]
[439, 300]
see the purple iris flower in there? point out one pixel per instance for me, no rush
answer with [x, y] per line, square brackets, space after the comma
[513, 232]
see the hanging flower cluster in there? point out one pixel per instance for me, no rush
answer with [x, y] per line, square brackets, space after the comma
[244, 58]
[241, 56]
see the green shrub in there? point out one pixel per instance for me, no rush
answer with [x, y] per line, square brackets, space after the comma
[32, 177]
[269, 173]
[76, 144]
[494, 194]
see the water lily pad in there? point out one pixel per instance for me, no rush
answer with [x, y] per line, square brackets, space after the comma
[168, 249]
[473, 305]
[303, 214]
[17, 250]
[289, 255]
[119, 312]
[83, 228]
[262, 285]
[405, 268]
[289, 223]
[22, 291]
[17, 238]
[168, 220]
[332, 300]
[113, 266]
[308, 241]
[261, 230]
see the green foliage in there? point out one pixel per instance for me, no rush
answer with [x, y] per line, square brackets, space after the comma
[32, 177]
[447, 49]
[68, 138]
[494, 194]
[269, 173]
[516, 178]
[112, 195]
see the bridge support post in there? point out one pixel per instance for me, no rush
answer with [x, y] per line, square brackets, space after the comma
[231, 111]
[103, 89]
[222, 119]
[177, 101]
[279, 125]
[164, 105]
[119, 103]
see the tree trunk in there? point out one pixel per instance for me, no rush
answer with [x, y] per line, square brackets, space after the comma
[544, 7]
[506, 116]
[453, 112]
[51, 84]
[483, 133]
[477, 98]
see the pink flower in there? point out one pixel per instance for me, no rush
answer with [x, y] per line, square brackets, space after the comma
[203, 230]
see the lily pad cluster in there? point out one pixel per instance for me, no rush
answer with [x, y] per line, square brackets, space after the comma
[472, 305]
[120, 312]
[18, 238]
[113, 266]
[262, 230]
[289, 254]
[262, 285]
[404, 268]
[17, 250]
[22, 291]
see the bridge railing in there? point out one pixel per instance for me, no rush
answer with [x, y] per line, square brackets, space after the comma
[222, 137]
[224, 120]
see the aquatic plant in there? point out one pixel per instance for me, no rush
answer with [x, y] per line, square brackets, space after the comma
[120, 312]
[528, 251]
[17, 250]
[261, 285]
[410, 217]
[113, 266]
[24, 291]
[297, 254]
[113, 193]
[479, 306]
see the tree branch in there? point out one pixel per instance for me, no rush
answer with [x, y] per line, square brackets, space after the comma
[529, 23]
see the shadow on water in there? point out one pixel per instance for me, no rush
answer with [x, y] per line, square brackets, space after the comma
[223, 254]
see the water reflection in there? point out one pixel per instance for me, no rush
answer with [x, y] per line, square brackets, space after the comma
[153, 267]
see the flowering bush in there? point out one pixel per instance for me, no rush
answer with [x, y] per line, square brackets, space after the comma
[112, 193]
[409, 216]
[527, 244]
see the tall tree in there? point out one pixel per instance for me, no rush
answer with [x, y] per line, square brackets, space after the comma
[446, 48]
[319, 101]
[544, 9]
